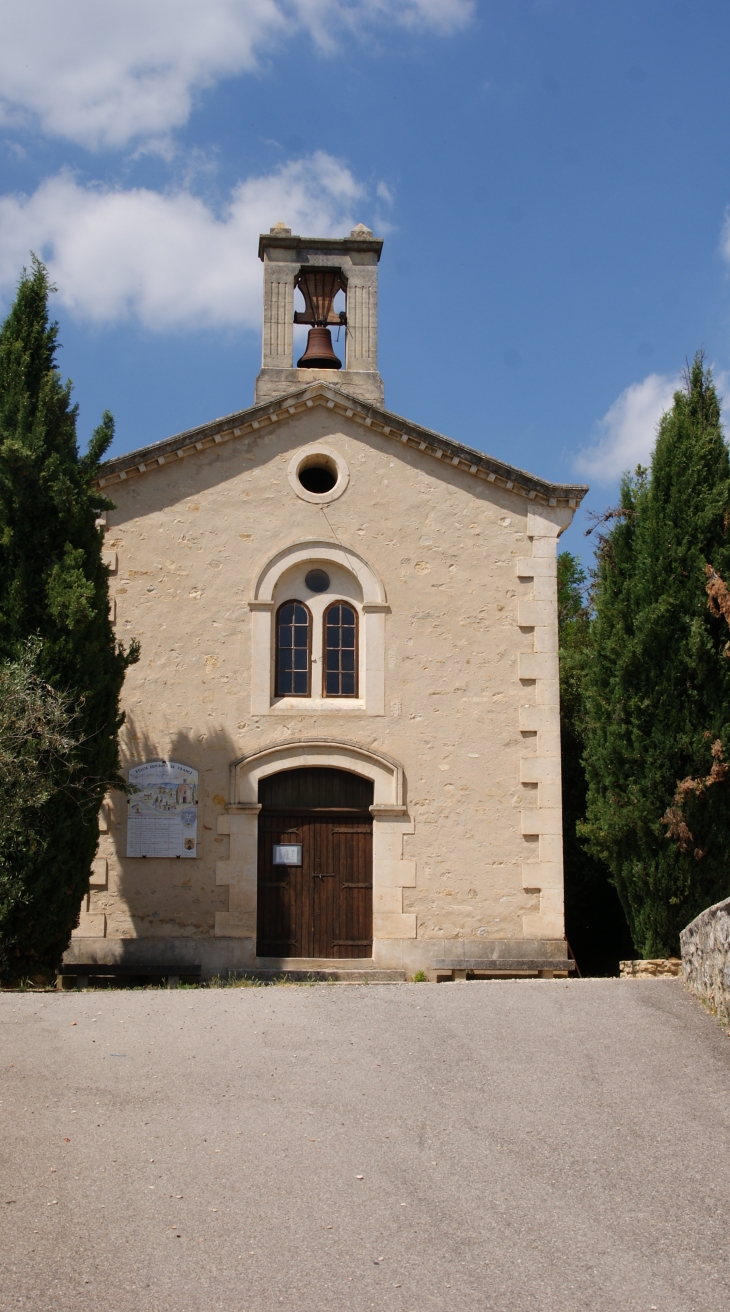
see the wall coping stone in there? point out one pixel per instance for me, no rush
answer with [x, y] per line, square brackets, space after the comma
[652, 968]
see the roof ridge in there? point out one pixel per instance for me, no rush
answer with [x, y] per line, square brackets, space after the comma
[245, 423]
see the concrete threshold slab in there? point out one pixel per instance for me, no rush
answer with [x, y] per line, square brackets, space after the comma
[341, 972]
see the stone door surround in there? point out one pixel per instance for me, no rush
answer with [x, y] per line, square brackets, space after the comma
[391, 873]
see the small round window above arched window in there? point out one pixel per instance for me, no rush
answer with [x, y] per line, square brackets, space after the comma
[340, 637]
[293, 650]
[317, 580]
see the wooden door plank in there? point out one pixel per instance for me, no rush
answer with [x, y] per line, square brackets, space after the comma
[353, 925]
[322, 908]
[280, 890]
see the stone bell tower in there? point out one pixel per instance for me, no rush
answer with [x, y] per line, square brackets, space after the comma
[320, 267]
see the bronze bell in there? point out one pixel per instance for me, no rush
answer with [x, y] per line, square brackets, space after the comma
[319, 353]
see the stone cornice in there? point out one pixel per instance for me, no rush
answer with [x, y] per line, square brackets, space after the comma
[327, 245]
[247, 423]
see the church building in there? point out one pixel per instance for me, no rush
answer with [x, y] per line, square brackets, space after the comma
[343, 732]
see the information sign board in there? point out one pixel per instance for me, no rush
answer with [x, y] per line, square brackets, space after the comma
[162, 816]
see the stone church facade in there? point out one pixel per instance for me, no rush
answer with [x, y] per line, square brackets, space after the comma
[348, 629]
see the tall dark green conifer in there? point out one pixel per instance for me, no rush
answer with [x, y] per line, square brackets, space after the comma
[658, 682]
[595, 924]
[53, 586]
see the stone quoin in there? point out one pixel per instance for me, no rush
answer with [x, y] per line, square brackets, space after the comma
[347, 702]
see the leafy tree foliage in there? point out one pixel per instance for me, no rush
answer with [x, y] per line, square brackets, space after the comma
[36, 756]
[658, 679]
[595, 923]
[53, 590]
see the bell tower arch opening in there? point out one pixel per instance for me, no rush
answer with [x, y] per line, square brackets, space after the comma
[323, 293]
[336, 282]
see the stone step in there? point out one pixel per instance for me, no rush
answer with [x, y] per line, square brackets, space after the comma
[341, 972]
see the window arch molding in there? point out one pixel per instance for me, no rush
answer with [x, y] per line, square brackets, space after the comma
[314, 549]
[373, 609]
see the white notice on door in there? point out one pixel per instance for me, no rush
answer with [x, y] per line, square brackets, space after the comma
[162, 816]
[287, 854]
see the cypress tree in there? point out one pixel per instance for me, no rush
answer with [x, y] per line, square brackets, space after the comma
[595, 924]
[53, 592]
[658, 679]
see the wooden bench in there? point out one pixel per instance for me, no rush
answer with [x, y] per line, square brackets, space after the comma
[543, 968]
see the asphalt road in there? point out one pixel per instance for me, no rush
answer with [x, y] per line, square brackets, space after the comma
[524, 1146]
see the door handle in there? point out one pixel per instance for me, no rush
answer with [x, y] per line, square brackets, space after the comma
[322, 876]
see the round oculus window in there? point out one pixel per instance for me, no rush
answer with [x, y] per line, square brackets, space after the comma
[317, 580]
[318, 478]
[318, 474]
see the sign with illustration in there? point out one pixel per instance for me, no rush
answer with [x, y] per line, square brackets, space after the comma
[162, 816]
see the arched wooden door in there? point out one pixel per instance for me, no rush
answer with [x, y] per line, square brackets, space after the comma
[315, 865]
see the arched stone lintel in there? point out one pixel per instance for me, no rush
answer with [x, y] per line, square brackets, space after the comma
[386, 774]
[373, 589]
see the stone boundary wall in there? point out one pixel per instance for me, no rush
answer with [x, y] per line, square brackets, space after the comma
[652, 968]
[706, 958]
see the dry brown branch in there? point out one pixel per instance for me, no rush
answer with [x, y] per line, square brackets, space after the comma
[677, 828]
[718, 603]
[615, 512]
[673, 818]
[718, 599]
[718, 593]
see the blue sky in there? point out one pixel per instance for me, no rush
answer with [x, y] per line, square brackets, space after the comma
[551, 180]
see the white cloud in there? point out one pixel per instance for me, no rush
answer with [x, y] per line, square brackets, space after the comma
[627, 432]
[105, 72]
[167, 260]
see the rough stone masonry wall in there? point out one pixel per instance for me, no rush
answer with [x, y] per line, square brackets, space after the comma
[653, 968]
[706, 958]
[186, 544]
[466, 701]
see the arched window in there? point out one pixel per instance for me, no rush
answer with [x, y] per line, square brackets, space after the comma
[340, 641]
[293, 650]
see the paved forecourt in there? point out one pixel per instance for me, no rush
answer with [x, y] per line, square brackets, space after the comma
[523, 1146]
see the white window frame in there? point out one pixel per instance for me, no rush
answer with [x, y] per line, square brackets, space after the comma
[371, 614]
